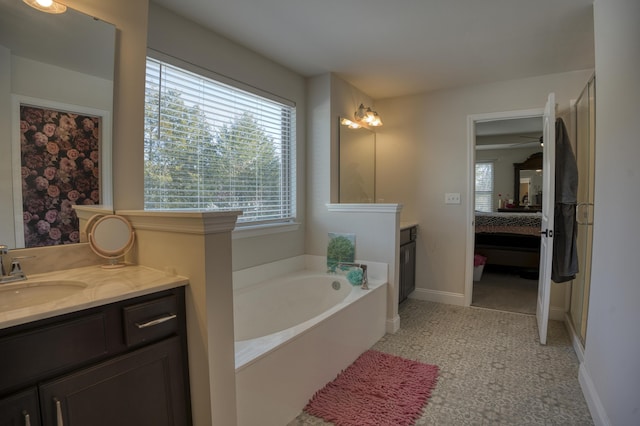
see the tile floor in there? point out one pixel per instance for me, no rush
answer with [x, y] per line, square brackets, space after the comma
[493, 371]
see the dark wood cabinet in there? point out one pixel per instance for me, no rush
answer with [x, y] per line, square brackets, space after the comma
[120, 364]
[407, 262]
[144, 387]
[20, 409]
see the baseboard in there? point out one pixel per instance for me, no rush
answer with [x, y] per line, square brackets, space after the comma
[392, 325]
[438, 296]
[575, 339]
[598, 414]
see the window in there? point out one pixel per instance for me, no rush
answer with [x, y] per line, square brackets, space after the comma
[212, 146]
[484, 186]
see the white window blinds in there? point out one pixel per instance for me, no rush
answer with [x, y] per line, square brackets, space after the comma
[484, 186]
[211, 146]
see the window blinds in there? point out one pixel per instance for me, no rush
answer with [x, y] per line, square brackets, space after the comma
[484, 186]
[211, 146]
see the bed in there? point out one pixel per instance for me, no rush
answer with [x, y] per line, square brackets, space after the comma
[509, 239]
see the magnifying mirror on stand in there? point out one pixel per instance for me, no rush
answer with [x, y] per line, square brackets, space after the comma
[111, 237]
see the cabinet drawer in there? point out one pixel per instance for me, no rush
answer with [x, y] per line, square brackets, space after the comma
[27, 356]
[150, 320]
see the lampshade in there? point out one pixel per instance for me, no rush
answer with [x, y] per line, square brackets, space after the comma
[368, 116]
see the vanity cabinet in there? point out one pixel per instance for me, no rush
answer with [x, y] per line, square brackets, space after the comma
[20, 409]
[407, 262]
[120, 364]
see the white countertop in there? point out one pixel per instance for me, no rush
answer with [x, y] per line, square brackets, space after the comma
[103, 286]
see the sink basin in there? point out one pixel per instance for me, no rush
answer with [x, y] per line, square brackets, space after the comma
[30, 293]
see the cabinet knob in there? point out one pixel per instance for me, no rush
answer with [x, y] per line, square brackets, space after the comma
[27, 418]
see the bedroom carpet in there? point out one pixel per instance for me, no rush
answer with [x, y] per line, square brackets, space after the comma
[493, 371]
[505, 290]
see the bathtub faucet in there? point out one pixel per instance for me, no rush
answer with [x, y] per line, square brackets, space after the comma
[365, 281]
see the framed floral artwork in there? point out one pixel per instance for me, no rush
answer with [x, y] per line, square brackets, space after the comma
[60, 148]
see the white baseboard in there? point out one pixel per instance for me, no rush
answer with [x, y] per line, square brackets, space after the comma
[575, 339]
[393, 325]
[438, 296]
[596, 408]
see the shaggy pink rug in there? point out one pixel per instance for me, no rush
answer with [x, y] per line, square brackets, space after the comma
[377, 389]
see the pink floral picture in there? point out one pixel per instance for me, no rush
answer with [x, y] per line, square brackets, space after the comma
[60, 168]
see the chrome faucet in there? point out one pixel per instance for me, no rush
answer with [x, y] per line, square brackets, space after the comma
[365, 280]
[16, 273]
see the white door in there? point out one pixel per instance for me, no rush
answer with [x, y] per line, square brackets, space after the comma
[548, 201]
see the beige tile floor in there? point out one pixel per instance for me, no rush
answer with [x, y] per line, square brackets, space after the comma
[493, 371]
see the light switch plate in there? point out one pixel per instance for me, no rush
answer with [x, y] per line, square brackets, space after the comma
[452, 198]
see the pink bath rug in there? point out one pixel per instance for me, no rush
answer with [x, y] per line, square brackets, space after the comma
[377, 389]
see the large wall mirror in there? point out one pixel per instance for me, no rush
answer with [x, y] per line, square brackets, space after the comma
[56, 104]
[357, 165]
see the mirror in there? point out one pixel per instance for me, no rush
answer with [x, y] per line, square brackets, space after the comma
[527, 182]
[111, 237]
[357, 164]
[59, 70]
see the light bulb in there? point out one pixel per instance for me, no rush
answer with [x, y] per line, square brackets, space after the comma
[48, 6]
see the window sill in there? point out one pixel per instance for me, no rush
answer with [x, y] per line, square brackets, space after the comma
[248, 231]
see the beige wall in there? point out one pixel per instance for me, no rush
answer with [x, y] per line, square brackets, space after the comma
[429, 134]
[610, 374]
[377, 237]
[185, 40]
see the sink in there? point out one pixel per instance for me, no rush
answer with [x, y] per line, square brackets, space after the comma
[30, 293]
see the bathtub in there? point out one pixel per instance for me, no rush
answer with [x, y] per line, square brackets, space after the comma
[296, 331]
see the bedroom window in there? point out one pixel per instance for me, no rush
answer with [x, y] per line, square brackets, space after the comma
[209, 145]
[484, 186]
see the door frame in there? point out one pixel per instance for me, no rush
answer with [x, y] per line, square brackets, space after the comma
[472, 119]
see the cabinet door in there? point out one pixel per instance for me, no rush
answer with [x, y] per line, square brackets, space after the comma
[144, 387]
[20, 409]
[407, 270]
[410, 267]
[403, 275]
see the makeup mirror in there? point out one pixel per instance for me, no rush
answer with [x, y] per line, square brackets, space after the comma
[111, 237]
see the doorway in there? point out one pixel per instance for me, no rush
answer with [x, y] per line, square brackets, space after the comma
[506, 150]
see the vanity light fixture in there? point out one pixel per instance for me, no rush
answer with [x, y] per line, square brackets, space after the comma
[350, 124]
[48, 6]
[367, 115]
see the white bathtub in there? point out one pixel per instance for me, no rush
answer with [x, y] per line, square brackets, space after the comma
[295, 333]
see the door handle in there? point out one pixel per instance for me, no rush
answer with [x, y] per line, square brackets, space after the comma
[547, 233]
[27, 418]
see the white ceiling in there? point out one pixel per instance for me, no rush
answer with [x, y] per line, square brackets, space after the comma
[395, 48]
[513, 126]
